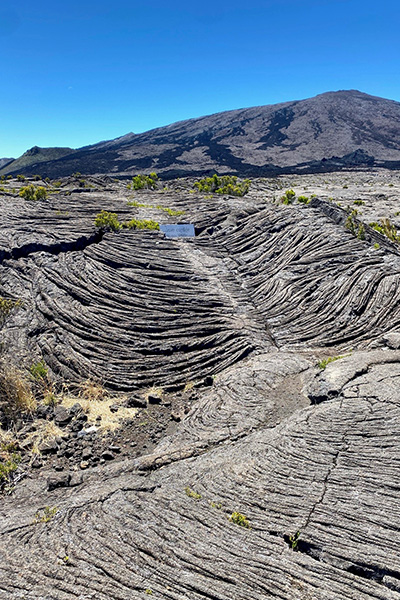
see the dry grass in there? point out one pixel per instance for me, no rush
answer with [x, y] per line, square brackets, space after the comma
[16, 396]
[154, 391]
[46, 432]
[96, 402]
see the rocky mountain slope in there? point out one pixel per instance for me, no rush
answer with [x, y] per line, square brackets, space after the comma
[276, 474]
[331, 131]
[5, 161]
[33, 158]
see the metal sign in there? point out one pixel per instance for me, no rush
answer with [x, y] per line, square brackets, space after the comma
[174, 231]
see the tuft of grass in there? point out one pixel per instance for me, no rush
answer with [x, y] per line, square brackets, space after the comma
[294, 541]
[46, 515]
[16, 396]
[326, 361]
[39, 370]
[239, 519]
[192, 494]
[6, 307]
[387, 228]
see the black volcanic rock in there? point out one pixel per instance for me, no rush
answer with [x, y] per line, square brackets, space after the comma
[328, 132]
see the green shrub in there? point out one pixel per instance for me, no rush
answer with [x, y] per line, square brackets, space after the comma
[288, 197]
[387, 228]
[326, 361]
[303, 199]
[359, 202]
[239, 519]
[361, 232]
[6, 307]
[107, 220]
[226, 184]
[39, 370]
[7, 468]
[294, 541]
[30, 192]
[21, 178]
[140, 182]
[46, 515]
[143, 224]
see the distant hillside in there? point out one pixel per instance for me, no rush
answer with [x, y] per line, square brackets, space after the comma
[5, 161]
[331, 131]
[31, 158]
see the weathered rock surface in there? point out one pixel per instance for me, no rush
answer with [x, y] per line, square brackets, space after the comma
[309, 456]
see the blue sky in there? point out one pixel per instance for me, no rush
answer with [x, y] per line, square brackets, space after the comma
[74, 73]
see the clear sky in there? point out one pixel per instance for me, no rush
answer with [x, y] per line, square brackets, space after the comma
[74, 73]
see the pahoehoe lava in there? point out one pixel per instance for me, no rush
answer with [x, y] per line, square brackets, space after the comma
[251, 299]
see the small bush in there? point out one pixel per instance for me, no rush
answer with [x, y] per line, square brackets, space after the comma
[239, 519]
[6, 307]
[387, 228]
[8, 466]
[46, 515]
[294, 541]
[39, 370]
[143, 224]
[140, 182]
[359, 202]
[30, 192]
[20, 178]
[226, 184]
[107, 220]
[288, 197]
[361, 232]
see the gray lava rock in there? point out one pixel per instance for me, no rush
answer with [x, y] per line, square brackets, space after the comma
[57, 481]
[62, 416]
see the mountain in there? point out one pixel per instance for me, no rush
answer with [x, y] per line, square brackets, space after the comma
[31, 158]
[5, 161]
[328, 132]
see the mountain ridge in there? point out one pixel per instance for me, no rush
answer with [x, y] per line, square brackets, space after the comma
[331, 131]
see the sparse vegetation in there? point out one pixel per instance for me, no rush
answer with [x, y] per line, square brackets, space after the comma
[30, 192]
[326, 361]
[140, 182]
[303, 199]
[192, 494]
[294, 541]
[239, 519]
[6, 307]
[224, 184]
[16, 396]
[386, 228]
[107, 220]
[9, 462]
[288, 197]
[141, 224]
[46, 515]
[359, 202]
[39, 370]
